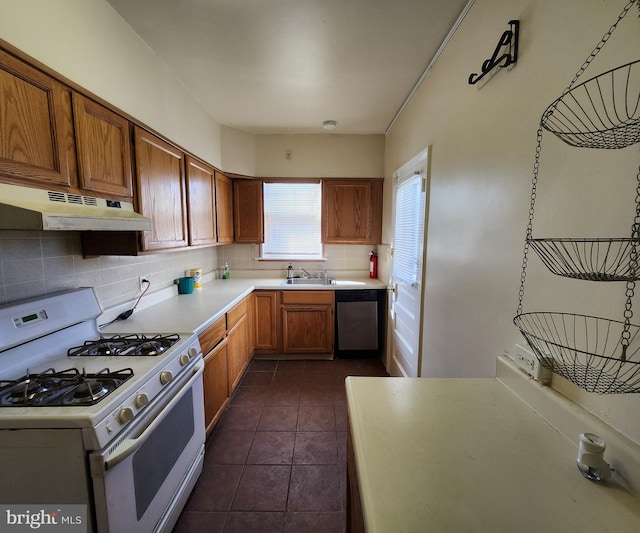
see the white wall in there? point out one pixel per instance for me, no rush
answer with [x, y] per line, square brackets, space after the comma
[483, 138]
[238, 151]
[326, 155]
[89, 43]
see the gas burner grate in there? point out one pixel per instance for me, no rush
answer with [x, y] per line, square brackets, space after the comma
[134, 344]
[70, 387]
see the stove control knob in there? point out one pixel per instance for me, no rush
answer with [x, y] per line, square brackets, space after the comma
[141, 400]
[165, 377]
[184, 359]
[125, 415]
[192, 352]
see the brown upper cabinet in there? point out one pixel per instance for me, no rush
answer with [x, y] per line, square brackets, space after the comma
[201, 201]
[224, 208]
[187, 200]
[248, 211]
[36, 127]
[104, 148]
[352, 211]
[161, 191]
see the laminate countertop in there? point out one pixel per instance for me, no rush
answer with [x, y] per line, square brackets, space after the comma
[468, 455]
[183, 313]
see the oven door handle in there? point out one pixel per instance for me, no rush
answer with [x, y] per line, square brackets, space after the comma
[129, 446]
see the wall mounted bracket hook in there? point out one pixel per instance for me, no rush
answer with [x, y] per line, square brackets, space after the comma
[509, 39]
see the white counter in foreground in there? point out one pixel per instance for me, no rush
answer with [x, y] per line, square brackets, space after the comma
[468, 455]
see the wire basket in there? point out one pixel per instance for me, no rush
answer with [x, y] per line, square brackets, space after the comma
[588, 259]
[602, 112]
[585, 350]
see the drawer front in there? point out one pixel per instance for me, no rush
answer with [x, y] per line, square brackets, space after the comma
[307, 297]
[213, 335]
[235, 314]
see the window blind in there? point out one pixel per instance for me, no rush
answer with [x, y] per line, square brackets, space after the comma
[292, 218]
[409, 232]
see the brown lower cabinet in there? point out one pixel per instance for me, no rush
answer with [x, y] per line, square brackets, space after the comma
[294, 322]
[307, 321]
[266, 324]
[216, 386]
[225, 345]
[214, 343]
[238, 352]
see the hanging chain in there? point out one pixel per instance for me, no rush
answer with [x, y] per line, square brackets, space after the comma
[536, 167]
[635, 228]
[534, 187]
[628, 314]
[633, 270]
[600, 45]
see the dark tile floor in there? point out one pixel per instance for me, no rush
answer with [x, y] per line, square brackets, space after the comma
[276, 461]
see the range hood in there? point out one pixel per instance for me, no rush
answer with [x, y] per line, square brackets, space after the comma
[38, 209]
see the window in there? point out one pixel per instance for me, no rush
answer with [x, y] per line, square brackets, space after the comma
[409, 228]
[292, 214]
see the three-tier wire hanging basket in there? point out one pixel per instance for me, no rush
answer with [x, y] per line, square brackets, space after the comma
[597, 354]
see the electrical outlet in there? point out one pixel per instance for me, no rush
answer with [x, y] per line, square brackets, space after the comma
[288, 155]
[141, 283]
[526, 360]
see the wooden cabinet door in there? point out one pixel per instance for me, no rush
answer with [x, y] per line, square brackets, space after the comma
[352, 211]
[103, 143]
[238, 352]
[307, 321]
[266, 326]
[224, 208]
[251, 325]
[248, 211]
[216, 386]
[201, 201]
[161, 191]
[36, 127]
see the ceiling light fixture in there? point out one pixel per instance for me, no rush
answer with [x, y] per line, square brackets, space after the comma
[329, 124]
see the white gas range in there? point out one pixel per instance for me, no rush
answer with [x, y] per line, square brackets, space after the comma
[115, 423]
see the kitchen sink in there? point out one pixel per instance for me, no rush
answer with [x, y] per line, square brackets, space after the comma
[307, 281]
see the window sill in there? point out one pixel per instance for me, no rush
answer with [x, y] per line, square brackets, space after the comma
[292, 258]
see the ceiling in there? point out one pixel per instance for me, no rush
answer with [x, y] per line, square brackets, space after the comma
[286, 66]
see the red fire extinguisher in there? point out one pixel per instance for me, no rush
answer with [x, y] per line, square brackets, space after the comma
[373, 265]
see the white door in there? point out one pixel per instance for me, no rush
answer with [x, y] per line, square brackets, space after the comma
[410, 195]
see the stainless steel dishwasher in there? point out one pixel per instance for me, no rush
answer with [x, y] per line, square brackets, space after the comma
[360, 319]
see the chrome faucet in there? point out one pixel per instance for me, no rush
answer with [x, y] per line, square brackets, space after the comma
[309, 275]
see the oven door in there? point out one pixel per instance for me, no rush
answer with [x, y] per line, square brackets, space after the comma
[142, 480]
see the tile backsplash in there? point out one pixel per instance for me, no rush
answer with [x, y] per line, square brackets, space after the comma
[340, 257]
[33, 263]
